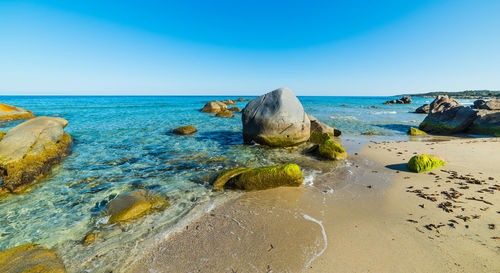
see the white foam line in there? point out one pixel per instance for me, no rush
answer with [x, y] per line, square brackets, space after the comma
[307, 217]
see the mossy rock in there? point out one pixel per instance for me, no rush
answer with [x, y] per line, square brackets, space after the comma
[30, 258]
[331, 150]
[225, 114]
[424, 163]
[185, 130]
[275, 142]
[369, 133]
[250, 179]
[319, 138]
[2, 134]
[133, 205]
[416, 132]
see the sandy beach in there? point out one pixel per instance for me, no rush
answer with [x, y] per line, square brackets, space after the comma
[377, 218]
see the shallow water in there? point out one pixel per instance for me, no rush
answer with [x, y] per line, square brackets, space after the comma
[123, 143]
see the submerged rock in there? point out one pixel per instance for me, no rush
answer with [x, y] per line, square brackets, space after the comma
[416, 132]
[30, 258]
[486, 123]
[250, 179]
[424, 163]
[318, 126]
[368, 133]
[487, 105]
[29, 150]
[225, 114]
[133, 204]
[229, 102]
[403, 100]
[447, 116]
[234, 109]
[242, 99]
[91, 238]
[424, 109]
[276, 119]
[185, 130]
[214, 107]
[9, 112]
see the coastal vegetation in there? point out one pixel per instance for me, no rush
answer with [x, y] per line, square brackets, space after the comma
[467, 94]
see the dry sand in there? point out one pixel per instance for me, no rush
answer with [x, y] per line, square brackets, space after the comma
[367, 217]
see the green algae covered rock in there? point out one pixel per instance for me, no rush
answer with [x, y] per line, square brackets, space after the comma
[331, 150]
[222, 179]
[30, 258]
[416, 132]
[185, 130]
[319, 138]
[134, 204]
[423, 163]
[250, 179]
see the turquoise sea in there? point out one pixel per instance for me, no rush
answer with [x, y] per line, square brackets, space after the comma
[124, 143]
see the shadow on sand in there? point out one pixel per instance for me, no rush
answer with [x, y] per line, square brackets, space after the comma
[398, 167]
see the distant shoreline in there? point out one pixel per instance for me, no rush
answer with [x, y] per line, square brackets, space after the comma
[468, 94]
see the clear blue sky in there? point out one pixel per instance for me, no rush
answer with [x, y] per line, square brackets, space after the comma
[248, 47]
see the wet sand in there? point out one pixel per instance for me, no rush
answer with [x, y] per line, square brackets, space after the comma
[371, 216]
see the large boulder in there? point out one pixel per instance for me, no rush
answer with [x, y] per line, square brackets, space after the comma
[133, 204]
[424, 109]
[447, 116]
[30, 258]
[276, 119]
[29, 150]
[214, 106]
[250, 179]
[318, 126]
[403, 100]
[424, 163]
[486, 123]
[9, 112]
[487, 105]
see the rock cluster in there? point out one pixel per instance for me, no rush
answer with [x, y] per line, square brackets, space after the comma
[447, 116]
[9, 112]
[29, 150]
[403, 100]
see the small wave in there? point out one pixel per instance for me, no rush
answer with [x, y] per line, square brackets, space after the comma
[309, 178]
[385, 112]
[344, 117]
[323, 232]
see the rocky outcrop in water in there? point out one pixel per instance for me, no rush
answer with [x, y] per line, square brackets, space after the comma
[318, 126]
[276, 119]
[30, 258]
[29, 150]
[487, 105]
[242, 99]
[403, 100]
[447, 116]
[250, 179]
[185, 130]
[424, 163]
[229, 102]
[9, 112]
[214, 106]
[234, 109]
[134, 204]
[424, 109]
[225, 114]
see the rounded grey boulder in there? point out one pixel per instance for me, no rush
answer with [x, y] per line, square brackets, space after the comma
[276, 119]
